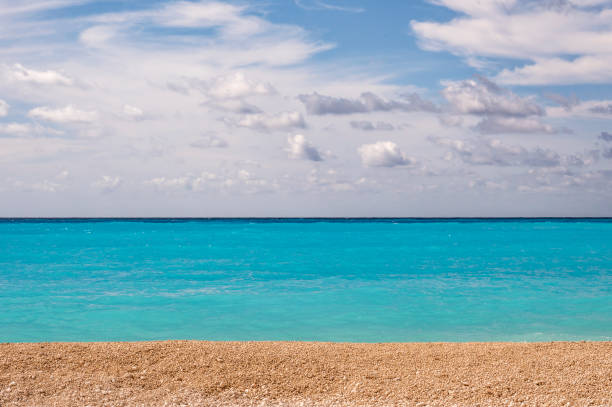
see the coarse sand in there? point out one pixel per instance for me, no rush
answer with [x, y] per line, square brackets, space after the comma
[194, 373]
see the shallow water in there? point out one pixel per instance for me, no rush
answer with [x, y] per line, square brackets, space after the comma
[324, 280]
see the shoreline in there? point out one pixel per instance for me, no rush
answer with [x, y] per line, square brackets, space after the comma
[203, 373]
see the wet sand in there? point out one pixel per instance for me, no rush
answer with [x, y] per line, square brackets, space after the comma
[305, 374]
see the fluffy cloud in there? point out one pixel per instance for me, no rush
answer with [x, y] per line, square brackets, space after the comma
[237, 85]
[299, 148]
[503, 110]
[483, 97]
[22, 74]
[317, 104]
[4, 108]
[369, 126]
[226, 92]
[544, 32]
[280, 121]
[68, 114]
[494, 152]
[382, 154]
[201, 68]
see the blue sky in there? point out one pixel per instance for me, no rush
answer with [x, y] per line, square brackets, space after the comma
[306, 108]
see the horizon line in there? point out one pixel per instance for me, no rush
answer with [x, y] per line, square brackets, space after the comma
[60, 218]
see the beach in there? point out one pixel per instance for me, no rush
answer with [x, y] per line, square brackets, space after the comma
[175, 373]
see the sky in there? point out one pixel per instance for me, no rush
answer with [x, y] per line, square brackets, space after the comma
[305, 108]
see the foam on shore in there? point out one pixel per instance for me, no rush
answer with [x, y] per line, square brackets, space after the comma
[300, 373]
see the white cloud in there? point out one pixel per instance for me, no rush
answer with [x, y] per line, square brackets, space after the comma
[107, 183]
[544, 33]
[301, 149]
[22, 74]
[483, 97]
[230, 19]
[382, 154]
[237, 85]
[502, 110]
[221, 77]
[280, 121]
[227, 92]
[68, 114]
[133, 112]
[519, 29]
[15, 129]
[495, 153]
[241, 37]
[584, 69]
[4, 108]
[98, 36]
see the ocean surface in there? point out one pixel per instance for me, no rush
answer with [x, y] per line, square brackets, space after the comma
[357, 280]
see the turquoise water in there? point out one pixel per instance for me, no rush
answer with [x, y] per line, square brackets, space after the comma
[324, 280]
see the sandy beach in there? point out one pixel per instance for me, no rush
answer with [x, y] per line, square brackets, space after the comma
[196, 373]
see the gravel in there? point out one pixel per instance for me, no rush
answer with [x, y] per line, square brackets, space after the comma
[194, 373]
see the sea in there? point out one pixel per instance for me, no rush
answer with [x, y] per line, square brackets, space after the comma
[340, 280]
